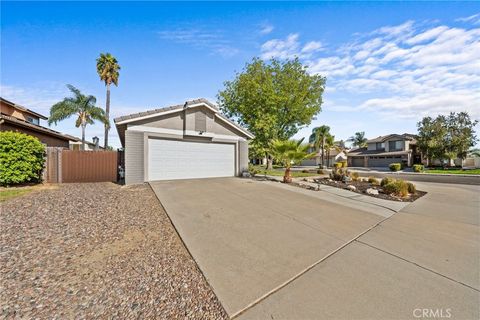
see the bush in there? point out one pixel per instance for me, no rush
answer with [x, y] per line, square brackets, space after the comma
[386, 180]
[21, 158]
[418, 167]
[252, 170]
[305, 171]
[354, 176]
[411, 188]
[340, 174]
[320, 171]
[344, 163]
[396, 187]
[337, 165]
[373, 181]
[395, 166]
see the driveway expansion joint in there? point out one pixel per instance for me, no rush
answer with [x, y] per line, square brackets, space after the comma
[304, 271]
[418, 265]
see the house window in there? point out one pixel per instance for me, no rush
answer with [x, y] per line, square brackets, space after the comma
[33, 120]
[380, 146]
[395, 145]
[200, 121]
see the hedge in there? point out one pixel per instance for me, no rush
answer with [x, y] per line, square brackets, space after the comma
[418, 167]
[395, 166]
[21, 158]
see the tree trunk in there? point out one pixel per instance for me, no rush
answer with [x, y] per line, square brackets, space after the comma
[107, 114]
[323, 152]
[287, 178]
[83, 136]
[269, 163]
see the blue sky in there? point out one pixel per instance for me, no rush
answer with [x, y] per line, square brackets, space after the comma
[387, 64]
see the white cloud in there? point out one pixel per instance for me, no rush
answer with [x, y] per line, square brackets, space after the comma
[266, 28]
[475, 19]
[201, 39]
[289, 47]
[408, 71]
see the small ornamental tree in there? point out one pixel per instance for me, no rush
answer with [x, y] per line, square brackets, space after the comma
[21, 158]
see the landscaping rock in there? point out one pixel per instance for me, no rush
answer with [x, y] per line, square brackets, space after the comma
[352, 188]
[371, 191]
[97, 251]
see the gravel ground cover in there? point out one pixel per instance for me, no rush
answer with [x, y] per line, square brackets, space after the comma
[97, 250]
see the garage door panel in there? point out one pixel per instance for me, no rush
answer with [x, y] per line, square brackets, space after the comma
[175, 159]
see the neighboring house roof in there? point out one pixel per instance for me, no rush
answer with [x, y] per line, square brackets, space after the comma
[175, 108]
[35, 127]
[405, 136]
[365, 152]
[19, 107]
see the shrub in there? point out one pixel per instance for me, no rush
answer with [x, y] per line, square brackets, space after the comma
[411, 188]
[354, 176]
[340, 174]
[418, 167]
[252, 170]
[395, 166]
[320, 171]
[373, 181]
[21, 158]
[344, 163]
[337, 165]
[386, 180]
[305, 171]
[396, 187]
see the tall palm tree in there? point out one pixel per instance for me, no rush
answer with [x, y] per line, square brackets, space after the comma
[290, 152]
[107, 69]
[358, 140]
[80, 105]
[318, 137]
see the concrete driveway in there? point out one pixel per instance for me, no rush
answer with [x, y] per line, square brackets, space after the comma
[272, 252]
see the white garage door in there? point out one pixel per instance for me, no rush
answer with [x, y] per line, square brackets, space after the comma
[174, 159]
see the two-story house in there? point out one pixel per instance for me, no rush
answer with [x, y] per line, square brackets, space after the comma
[384, 150]
[14, 117]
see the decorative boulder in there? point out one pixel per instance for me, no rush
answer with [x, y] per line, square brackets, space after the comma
[352, 188]
[372, 191]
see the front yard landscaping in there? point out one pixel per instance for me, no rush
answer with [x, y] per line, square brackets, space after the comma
[97, 250]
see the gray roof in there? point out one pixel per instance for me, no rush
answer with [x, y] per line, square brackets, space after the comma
[365, 152]
[179, 107]
[406, 136]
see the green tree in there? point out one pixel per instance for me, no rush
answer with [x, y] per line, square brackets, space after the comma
[21, 158]
[288, 153]
[358, 140]
[318, 138]
[446, 136]
[108, 71]
[273, 100]
[80, 105]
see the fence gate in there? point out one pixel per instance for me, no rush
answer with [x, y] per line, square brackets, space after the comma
[80, 166]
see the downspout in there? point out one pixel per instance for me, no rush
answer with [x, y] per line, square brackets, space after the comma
[185, 106]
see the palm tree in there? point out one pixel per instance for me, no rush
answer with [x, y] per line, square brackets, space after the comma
[318, 137]
[81, 105]
[107, 69]
[289, 152]
[330, 143]
[358, 140]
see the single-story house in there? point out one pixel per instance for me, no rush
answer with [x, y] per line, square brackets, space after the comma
[185, 141]
[384, 150]
[14, 117]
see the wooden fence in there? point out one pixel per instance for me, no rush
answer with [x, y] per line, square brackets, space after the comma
[80, 166]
